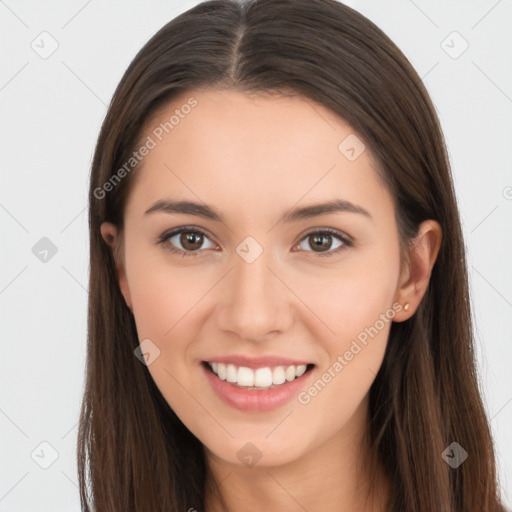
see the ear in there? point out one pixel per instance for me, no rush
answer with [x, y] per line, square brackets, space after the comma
[415, 276]
[112, 237]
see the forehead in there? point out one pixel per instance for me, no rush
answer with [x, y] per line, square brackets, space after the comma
[238, 147]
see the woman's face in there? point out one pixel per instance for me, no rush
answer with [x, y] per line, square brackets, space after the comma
[256, 280]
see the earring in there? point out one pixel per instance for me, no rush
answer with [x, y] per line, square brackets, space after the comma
[406, 307]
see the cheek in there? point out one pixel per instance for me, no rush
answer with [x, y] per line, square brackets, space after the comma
[165, 299]
[167, 307]
[354, 355]
[356, 313]
[163, 294]
[353, 296]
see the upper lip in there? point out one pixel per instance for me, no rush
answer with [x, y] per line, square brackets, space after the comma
[257, 362]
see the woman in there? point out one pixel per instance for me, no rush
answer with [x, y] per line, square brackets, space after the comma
[278, 314]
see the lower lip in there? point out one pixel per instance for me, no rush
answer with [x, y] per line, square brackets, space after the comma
[252, 399]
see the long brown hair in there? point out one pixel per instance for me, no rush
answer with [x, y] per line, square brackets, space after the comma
[134, 453]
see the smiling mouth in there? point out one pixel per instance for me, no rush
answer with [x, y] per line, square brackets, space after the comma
[259, 378]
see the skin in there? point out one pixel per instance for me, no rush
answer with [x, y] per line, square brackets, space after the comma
[251, 158]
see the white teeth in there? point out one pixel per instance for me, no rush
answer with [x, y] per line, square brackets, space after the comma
[245, 376]
[221, 371]
[290, 373]
[259, 378]
[278, 376]
[263, 378]
[231, 374]
[300, 370]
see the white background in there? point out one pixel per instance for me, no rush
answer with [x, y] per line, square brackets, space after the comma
[51, 111]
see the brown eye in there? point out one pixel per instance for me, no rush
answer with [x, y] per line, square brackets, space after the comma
[321, 242]
[185, 241]
[190, 240]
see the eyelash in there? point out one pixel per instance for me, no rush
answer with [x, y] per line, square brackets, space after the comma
[324, 231]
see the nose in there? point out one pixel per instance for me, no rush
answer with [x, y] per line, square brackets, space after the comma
[255, 302]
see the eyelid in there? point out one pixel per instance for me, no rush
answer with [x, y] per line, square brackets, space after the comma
[331, 231]
[164, 237]
[346, 239]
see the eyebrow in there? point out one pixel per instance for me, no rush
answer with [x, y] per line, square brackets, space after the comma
[292, 215]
